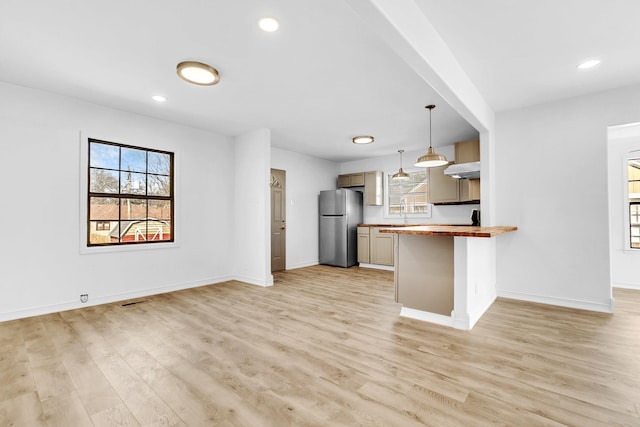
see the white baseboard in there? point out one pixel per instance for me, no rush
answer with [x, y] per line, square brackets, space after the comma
[302, 265]
[72, 305]
[425, 316]
[378, 266]
[258, 282]
[635, 286]
[467, 322]
[562, 302]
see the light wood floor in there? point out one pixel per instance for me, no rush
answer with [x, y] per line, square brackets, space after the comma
[323, 347]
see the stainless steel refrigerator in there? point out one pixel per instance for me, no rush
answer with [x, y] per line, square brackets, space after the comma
[340, 214]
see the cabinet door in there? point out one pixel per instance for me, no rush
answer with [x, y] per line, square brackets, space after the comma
[357, 179]
[373, 188]
[442, 188]
[381, 250]
[468, 151]
[469, 190]
[344, 181]
[363, 247]
[351, 180]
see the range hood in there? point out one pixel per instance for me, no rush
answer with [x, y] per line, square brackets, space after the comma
[469, 170]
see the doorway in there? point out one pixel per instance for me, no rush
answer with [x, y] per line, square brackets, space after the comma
[624, 224]
[278, 220]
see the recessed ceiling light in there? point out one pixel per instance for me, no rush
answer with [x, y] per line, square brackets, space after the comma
[158, 98]
[589, 64]
[198, 73]
[268, 24]
[362, 139]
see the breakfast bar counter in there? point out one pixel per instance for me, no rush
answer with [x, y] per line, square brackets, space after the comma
[450, 230]
[446, 274]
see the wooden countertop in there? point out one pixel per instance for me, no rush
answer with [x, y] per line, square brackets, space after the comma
[406, 225]
[449, 230]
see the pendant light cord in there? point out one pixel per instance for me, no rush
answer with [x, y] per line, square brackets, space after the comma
[430, 107]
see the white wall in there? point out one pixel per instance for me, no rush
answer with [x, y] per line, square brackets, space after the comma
[41, 266]
[551, 182]
[252, 234]
[625, 263]
[447, 214]
[306, 177]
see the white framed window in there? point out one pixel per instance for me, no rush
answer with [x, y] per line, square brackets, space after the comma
[408, 198]
[633, 202]
[89, 223]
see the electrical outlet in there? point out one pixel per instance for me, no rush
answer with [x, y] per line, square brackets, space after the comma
[84, 297]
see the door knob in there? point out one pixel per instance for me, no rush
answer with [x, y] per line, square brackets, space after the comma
[282, 228]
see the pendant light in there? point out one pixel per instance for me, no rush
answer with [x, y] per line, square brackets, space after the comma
[400, 175]
[431, 159]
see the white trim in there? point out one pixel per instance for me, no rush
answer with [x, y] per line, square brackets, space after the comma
[562, 302]
[84, 165]
[634, 286]
[377, 266]
[469, 321]
[55, 308]
[425, 316]
[627, 249]
[258, 282]
[302, 265]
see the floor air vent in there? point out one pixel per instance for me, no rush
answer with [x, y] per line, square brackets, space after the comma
[133, 302]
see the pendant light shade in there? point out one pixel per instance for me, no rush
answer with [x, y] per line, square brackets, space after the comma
[431, 159]
[400, 175]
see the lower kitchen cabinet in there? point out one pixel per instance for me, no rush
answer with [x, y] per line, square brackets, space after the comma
[363, 245]
[381, 247]
[375, 247]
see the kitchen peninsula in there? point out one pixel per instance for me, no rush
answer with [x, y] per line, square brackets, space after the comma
[445, 274]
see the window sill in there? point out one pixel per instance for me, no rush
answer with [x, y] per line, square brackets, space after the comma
[88, 250]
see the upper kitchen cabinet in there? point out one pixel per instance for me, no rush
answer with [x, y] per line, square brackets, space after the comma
[373, 183]
[469, 190]
[373, 188]
[351, 180]
[444, 189]
[467, 151]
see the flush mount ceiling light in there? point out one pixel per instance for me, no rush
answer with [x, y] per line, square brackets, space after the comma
[431, 159]
[268, 24]
[198, 73]
[589, 64]
[400, 175]
[158, 98]
[362, 139]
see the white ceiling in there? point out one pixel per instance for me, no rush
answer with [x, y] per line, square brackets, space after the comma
[522, 53]
[324, 76]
